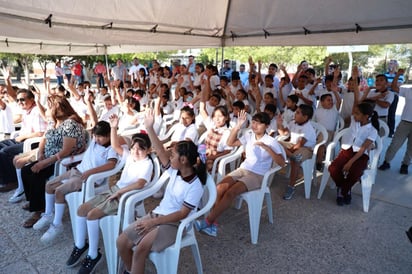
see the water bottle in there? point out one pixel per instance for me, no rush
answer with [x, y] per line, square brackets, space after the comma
[201, 149]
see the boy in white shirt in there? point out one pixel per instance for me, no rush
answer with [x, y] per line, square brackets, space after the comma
[327, 115]
[301, 144]
[303, 92]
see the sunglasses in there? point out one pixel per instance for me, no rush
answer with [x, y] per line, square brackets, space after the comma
[21, 100]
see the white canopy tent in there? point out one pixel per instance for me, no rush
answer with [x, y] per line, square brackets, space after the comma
[79, 27]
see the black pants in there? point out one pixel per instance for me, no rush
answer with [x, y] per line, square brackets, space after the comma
[392, 113]
[8, 149]
[35, 184]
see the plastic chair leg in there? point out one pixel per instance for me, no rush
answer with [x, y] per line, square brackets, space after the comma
[324, 181]
[268, 199]
[255, 209]
[307, 167]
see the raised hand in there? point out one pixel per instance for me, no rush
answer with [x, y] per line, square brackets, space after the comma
[149, 118]
[114, 120]
[241, 119]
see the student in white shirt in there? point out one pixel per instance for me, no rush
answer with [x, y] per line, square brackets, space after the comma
[157, 230]
[261, 151]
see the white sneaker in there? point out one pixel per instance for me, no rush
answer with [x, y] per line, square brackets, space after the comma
[17, 196]
[158, 194]
[44, 222]
[51, 233]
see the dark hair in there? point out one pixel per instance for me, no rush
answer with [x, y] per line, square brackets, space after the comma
[29, 93]
[294, 98]
[270, 107]
[201, 66]
[269, 76]
[224, 111]
[144, 71]
[311, 71]
[239, 104]
[270, 94]
[274, 66]
[189, 150]
[142, 139]
[243, 92]
[381, 75]
[303, 76]
[132, 100]
[141, 92]
[189, 111]
[261, 117]
[224, 78]
[328, 78]
[217, 95]
[107, 98]
[307, 110]
[102, 128]
[351, 78]
[324, 96]
[367, 108]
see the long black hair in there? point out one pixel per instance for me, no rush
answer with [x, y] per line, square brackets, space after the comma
[189, 149]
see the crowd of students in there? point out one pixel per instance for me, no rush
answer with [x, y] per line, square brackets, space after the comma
[269, 116]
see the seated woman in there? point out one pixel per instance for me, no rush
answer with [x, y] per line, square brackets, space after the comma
[67, 138]
[261, 150]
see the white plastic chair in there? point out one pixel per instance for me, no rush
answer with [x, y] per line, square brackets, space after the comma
[167, 260]
[88, 191]
[254, 199]
[369, 174]
[111, 225]
[308, 166]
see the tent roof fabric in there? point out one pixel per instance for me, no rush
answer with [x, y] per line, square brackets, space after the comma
[79, 27]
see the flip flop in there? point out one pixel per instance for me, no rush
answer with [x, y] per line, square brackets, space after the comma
[32, 220]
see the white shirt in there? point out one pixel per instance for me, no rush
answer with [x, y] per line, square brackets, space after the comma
[327, 117]
[180, 193]
[258, 160]
[388, 98]
[135, 170]
[358, 134]
[182, 133]
[96, 155]
[32, 122]
[407, 110]
[6, 120]
[302, 131]
[305, 93]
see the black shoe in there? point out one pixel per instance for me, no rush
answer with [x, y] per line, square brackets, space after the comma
[409, 234]
[319, 167]
[339, 201]
[7, 187]
[404, 169]
[347, 199]
[89, 264]
[74, 258]
[385, 166]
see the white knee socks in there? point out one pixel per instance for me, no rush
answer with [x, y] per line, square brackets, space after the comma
[49, 204]
[81, 228]
[93, 232]
[58, 214]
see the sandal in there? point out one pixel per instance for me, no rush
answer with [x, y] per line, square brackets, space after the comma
[26, 206]
[32, 220]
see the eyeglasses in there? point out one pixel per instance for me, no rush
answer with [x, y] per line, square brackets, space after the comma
[21, 100]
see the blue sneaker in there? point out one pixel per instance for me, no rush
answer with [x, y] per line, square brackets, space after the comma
[203, 227]
[289, 193]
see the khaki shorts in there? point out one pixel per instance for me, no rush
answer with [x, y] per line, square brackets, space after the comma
[67, 182]
[299, 155]
[251, 180]
[166, 233]
[101, 201]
